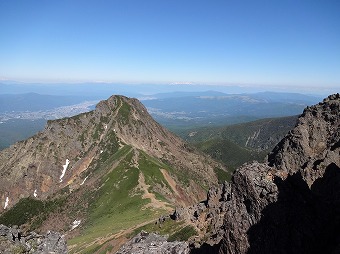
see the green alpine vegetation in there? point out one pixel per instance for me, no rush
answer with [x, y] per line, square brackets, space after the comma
[237, 144]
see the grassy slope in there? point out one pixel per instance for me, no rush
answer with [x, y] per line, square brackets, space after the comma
[118, 205]
[112, 206]
[238, 133]
[229, 153]
[271, 127]
[228, 143]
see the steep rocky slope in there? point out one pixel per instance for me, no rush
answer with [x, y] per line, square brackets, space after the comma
[94, 175]
[289, 205]
[61, 155]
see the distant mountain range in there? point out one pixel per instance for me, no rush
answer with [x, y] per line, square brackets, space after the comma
[100, 90]
[212, 108]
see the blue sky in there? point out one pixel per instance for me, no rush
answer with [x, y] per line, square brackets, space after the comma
[213, 42]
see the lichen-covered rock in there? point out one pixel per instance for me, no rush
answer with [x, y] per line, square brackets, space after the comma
[145, 243]
[12, 240]
[3, 230]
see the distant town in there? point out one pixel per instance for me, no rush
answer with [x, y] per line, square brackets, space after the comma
[56, 113]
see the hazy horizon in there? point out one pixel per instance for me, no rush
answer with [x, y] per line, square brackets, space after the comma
[133, 89]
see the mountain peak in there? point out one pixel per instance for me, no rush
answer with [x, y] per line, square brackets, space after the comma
[112, 102]
[69, 150]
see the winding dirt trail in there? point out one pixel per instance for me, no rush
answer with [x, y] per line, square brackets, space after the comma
[154, 203]
[115, 240]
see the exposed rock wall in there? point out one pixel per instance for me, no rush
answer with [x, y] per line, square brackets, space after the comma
[232, 208]
[313, 144]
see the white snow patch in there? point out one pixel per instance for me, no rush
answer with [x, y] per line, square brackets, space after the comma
[35, 193]
[6, 203]
[247, 141]
[84, 180]
[191, 134]
[75, 224]
[64, 169]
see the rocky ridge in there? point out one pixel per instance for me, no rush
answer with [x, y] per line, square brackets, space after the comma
[63, 154]
[289, 205]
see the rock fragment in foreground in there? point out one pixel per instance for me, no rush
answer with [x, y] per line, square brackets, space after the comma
[151, 243]
[12, 240]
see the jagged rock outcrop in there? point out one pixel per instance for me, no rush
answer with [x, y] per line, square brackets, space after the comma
[313, 144]
[151, 243]
[290, 205]
[233, 206]
[12, 240]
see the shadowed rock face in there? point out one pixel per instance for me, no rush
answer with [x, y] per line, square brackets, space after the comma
[291, 205]
[303, 219]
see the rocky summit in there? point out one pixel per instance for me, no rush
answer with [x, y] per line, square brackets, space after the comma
[291, 204]
[62, 154]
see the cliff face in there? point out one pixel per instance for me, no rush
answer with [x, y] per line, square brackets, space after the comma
[313, 144]
[290, 205]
